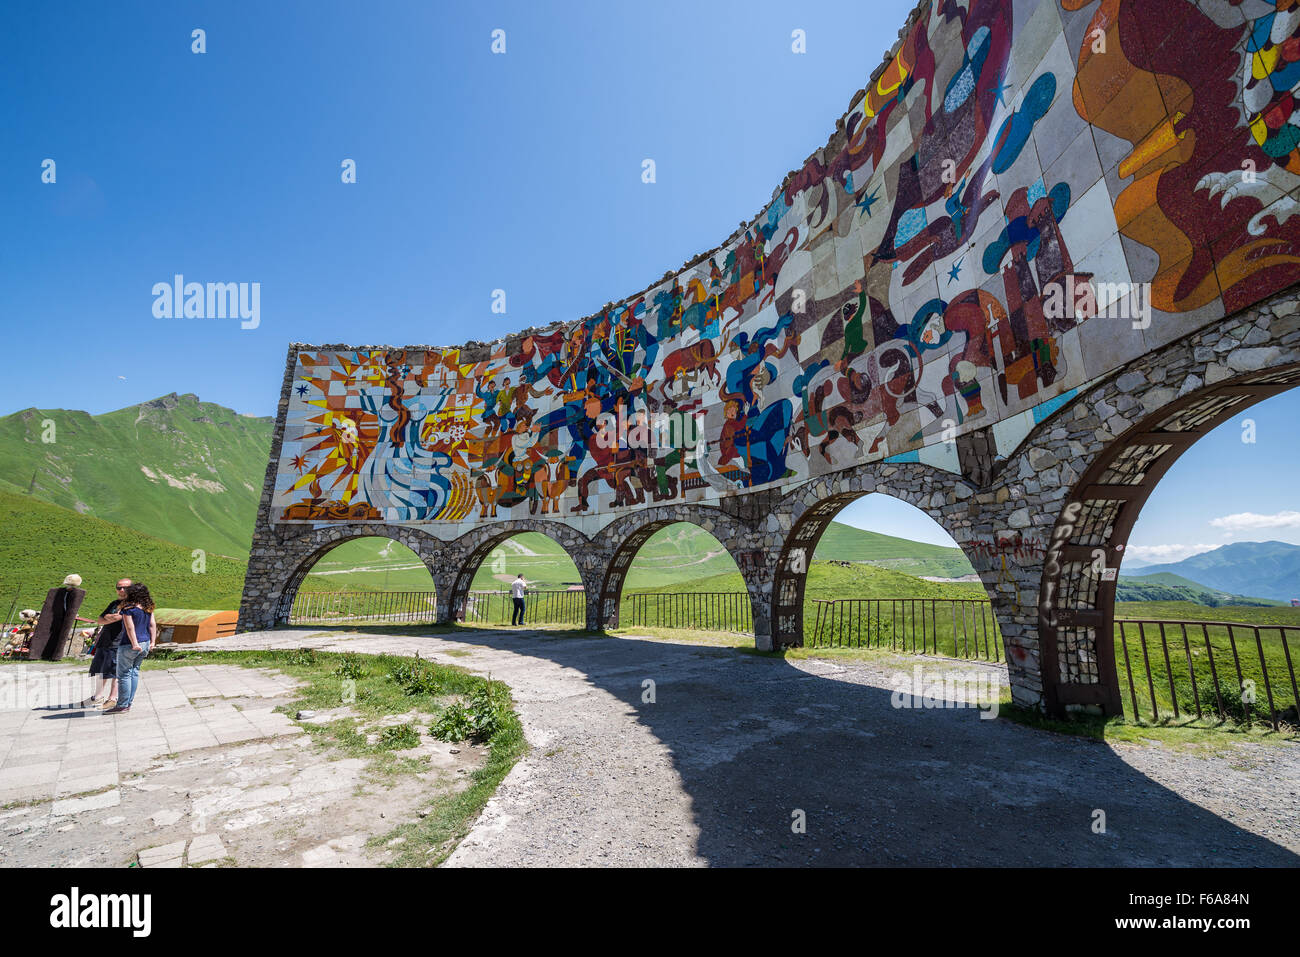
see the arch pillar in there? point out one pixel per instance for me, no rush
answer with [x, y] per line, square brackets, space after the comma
[999, 530]
[757, 561]
[1085, 472]
[733, 525]
[281, 558]
[592, 564]
[1092, 524]
[1003, 534]
[463, 557]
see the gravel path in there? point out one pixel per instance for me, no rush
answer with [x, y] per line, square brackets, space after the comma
[734, 746]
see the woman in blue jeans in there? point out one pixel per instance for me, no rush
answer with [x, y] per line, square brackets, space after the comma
[139, 632]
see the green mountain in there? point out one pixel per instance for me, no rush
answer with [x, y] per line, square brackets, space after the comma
[848, 544]
[1269, 569]
[176, 468]
[1166, 586]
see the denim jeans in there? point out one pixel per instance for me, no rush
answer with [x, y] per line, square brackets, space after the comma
[128, 671]
[517, 617]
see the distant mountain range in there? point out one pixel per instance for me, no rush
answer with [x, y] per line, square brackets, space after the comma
[1262, 569]
[1165, 586]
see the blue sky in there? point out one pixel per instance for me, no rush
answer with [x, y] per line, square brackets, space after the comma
[475, 172]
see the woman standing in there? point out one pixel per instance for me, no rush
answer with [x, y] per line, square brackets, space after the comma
[139, 633]
[103, 666]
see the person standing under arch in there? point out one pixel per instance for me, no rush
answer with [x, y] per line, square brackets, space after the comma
[517, 591]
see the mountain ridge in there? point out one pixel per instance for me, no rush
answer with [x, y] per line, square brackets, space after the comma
[141, 466]
[1264, 569]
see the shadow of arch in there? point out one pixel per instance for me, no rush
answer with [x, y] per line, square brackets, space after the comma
[304, 551]
[470, 551]
[1081, 572]
[624, 537]
[735, 744]
[812, 507]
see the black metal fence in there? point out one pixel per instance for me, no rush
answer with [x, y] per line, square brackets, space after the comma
[1221, 669]
[701, 611]
[951, 627]
[1228, 671]
[540, 608]
[387, 607]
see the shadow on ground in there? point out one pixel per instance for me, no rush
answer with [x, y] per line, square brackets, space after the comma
[754, 739]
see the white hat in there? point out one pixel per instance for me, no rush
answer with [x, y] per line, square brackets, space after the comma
[72, 581]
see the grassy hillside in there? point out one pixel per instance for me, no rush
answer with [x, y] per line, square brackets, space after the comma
[44, 542]
[846, 543]
[677, 554]
[906, 610]
[1194, 611]
[378, 563]
[183, 470]
[672, 554]
[840, 580]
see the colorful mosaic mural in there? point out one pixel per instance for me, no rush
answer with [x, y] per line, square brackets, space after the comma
[1028, 196]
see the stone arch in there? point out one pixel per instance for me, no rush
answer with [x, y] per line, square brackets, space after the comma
[622, 539]
[467, 553]
[298, 555]
[1080, 574]
[808, 511]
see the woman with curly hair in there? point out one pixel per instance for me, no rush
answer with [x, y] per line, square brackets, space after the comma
[140, 632]
[103, 666]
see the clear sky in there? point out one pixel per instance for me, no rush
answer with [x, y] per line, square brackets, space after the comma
[475, 172]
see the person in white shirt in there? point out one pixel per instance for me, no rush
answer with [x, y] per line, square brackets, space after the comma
[517, 590]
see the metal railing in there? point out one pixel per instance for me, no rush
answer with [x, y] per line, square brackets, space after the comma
[702, 611]
[1209, 672]
[1227, 670]
[540, 608]
[951, 627]
[390, 607]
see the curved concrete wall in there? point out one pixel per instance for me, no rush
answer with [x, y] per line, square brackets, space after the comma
[1026, 197]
